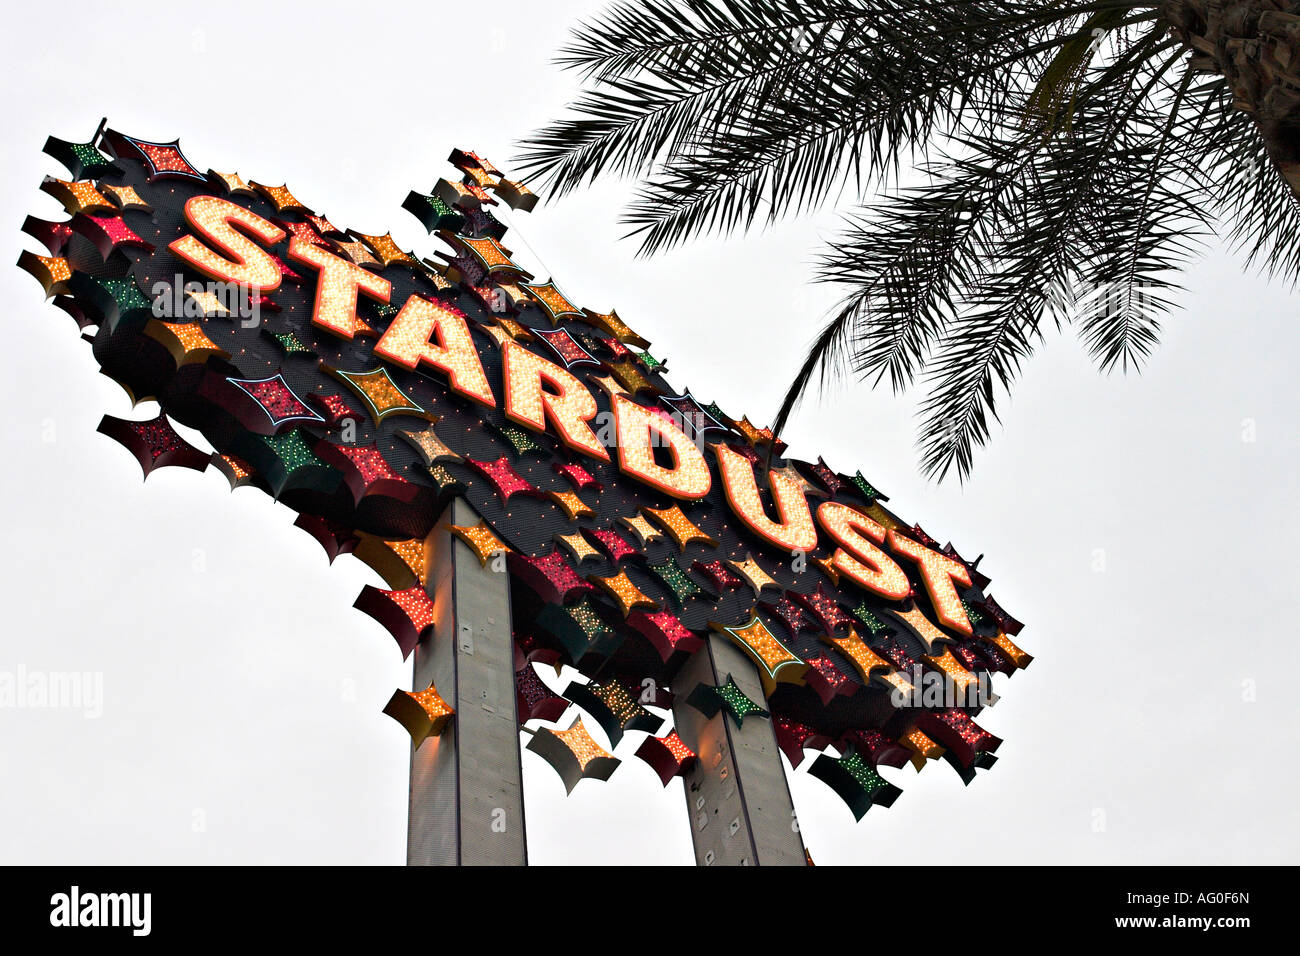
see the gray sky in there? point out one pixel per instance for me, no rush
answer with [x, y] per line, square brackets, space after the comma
[1143, 527]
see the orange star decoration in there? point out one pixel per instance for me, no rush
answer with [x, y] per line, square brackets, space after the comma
[829, 569]
[126, 198]
[645, 532]
[514, 293]
[378, 391]
[78, 196]
[430, 446]
[480, 539]
[777, 663]
[922, 747]
[357, 254]
[402, 564]
[552, 301]
[573, 754]
[753, 574]
[233, 183]
[573, 506]
[960, 676]
[280, 197]
[621, 589]
[389, 254]
[611, 323]
[924, 628]
[209, 303]
[609, 384]
[578, 546]
[489, 253]
[757, 436]
[186, 342]
[423, 713]
[864, 658]
[678, 526]
[513, 329]
[51, 272]
[1018, 657]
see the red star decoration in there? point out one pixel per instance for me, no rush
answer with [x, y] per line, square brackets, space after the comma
[334, 409]
[154, 443]
[666, 632]
[406, 613]
[304, 231]
[535, 700]
[164, 160]
[877, 748]
[503, 478]
[578, 476]
[718, 575]
[551, 576]
[277, 401]
[790, 613]
[828, 479]
[793, 737]
[826, 679]
[823, 607]
[107, 233]
[366, 472]
[612, 543]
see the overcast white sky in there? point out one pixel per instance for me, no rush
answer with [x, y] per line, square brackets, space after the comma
[1154, 726]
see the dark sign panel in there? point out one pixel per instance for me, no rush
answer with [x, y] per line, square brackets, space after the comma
[366, 387]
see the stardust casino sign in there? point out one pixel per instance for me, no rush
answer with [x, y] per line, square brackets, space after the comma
[366, 387]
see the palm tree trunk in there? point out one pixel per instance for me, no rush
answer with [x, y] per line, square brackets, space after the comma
[1255, 45]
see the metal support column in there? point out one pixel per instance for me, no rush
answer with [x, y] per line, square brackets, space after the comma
[466, 800]
[737, 796]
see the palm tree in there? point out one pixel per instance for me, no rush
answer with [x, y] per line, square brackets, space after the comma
[1018, 165]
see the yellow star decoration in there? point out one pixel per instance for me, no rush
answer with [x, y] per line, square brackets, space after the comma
[578, 546]
[208, 302]
[378, 391]
[1018, 657]
[480, 176]
[609, 384]
[580, 743]
[233, 182]
[481, 540]
[924, 628]
[611, 323]
[882, 517]
[629, 376]
[430, 446]
[423, 713]
[922, 747]
[78, 197]
[778, 663]
[645, 532]
[515, 293]
[126, 198]
[490, 254]
[753, 574]
[829, 569]
[386, 249]
[186, 342]
[402, 564]
[497, 334]
[959, 675]
[573, 506]
[280, 197]
[357, 254]
[621, 589]
[678, 526]
[52, 272]
[514, 329]
[433, 704]
[552, 301]
[855, 649]
[434, 273]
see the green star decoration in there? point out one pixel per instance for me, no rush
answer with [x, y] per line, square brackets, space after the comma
[519, 440]
[291, 343]
[868, 491]
[973, 615]
[855, 781]
[737, 704]
[650, 362]
[676, 580]
[863, 614]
